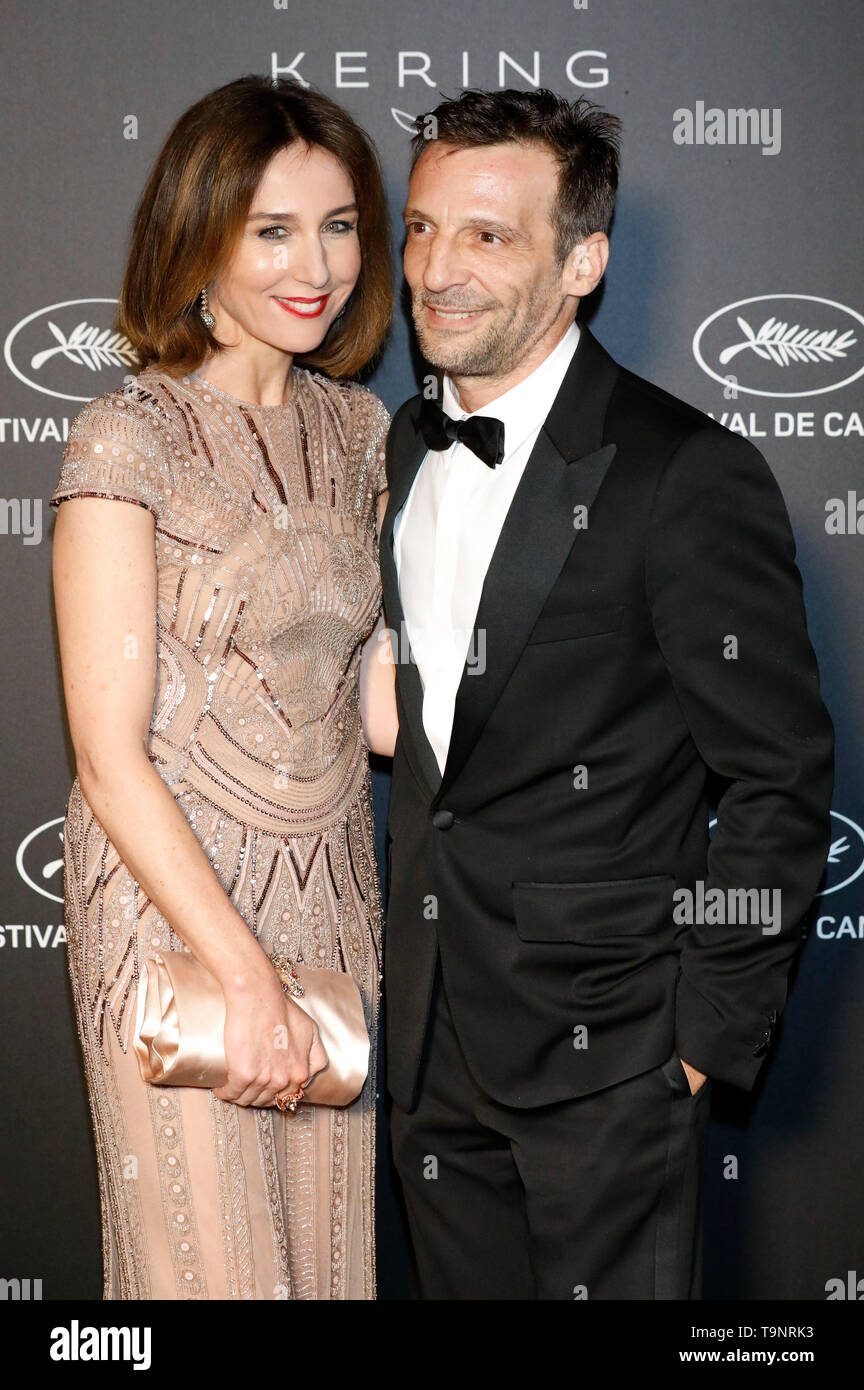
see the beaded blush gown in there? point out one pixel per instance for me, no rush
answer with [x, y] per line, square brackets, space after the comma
[268, 585]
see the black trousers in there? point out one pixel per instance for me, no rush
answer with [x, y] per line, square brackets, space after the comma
[593, 1198]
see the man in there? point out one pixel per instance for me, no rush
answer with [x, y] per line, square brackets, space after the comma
[592, 596]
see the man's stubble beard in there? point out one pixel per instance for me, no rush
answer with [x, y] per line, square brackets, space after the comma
[504, 344]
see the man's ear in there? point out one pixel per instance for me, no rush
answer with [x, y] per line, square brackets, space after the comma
[584, 267]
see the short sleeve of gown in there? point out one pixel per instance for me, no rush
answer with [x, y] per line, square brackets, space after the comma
[379, 425]
[111, 452]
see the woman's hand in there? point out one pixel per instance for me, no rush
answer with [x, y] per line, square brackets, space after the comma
[271, 1045]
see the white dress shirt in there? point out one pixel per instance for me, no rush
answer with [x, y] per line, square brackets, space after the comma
[446, 532]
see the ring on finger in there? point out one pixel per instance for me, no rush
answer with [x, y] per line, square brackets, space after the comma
[290, 1100]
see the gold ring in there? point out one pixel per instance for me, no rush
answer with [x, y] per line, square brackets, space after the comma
[290, 1101]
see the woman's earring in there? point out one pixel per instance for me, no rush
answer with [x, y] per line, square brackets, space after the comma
[206, 317]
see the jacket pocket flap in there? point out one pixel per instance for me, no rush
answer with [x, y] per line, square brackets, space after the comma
[592, 911]
[556, 624]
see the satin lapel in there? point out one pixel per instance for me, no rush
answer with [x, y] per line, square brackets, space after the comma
[564, 471]
[405, 444]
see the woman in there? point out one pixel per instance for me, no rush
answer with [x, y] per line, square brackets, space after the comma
[220, 650]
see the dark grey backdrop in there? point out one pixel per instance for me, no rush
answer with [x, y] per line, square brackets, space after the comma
[90, 91]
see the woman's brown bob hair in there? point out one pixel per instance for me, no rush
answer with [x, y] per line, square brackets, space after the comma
[195, 204]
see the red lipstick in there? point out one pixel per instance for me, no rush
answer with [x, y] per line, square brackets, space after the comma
[312, 313]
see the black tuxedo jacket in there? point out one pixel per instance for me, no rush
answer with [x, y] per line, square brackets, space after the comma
[625, 658]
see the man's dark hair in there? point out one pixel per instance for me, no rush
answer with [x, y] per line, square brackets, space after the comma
[584, 139]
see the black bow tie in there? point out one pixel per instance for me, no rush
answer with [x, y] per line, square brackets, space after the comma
[482, 434]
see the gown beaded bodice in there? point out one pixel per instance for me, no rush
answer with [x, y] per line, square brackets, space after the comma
[267, 580]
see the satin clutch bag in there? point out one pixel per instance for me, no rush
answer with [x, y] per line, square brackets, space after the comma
[180, 1022]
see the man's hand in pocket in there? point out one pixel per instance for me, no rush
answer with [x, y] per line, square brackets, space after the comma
[696, 1078]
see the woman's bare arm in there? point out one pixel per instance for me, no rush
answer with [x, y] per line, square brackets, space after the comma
[378, 681]
[104, 571]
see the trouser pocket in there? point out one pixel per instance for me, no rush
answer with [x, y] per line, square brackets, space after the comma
[676, 1076]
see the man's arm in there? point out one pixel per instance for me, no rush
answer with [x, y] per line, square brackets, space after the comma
[728, 612]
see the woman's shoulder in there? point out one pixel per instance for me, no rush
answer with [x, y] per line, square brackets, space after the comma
[119, 413]
[362, 424]
[115, 449]
[160, 391]
[136, 400]
[362, 411]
